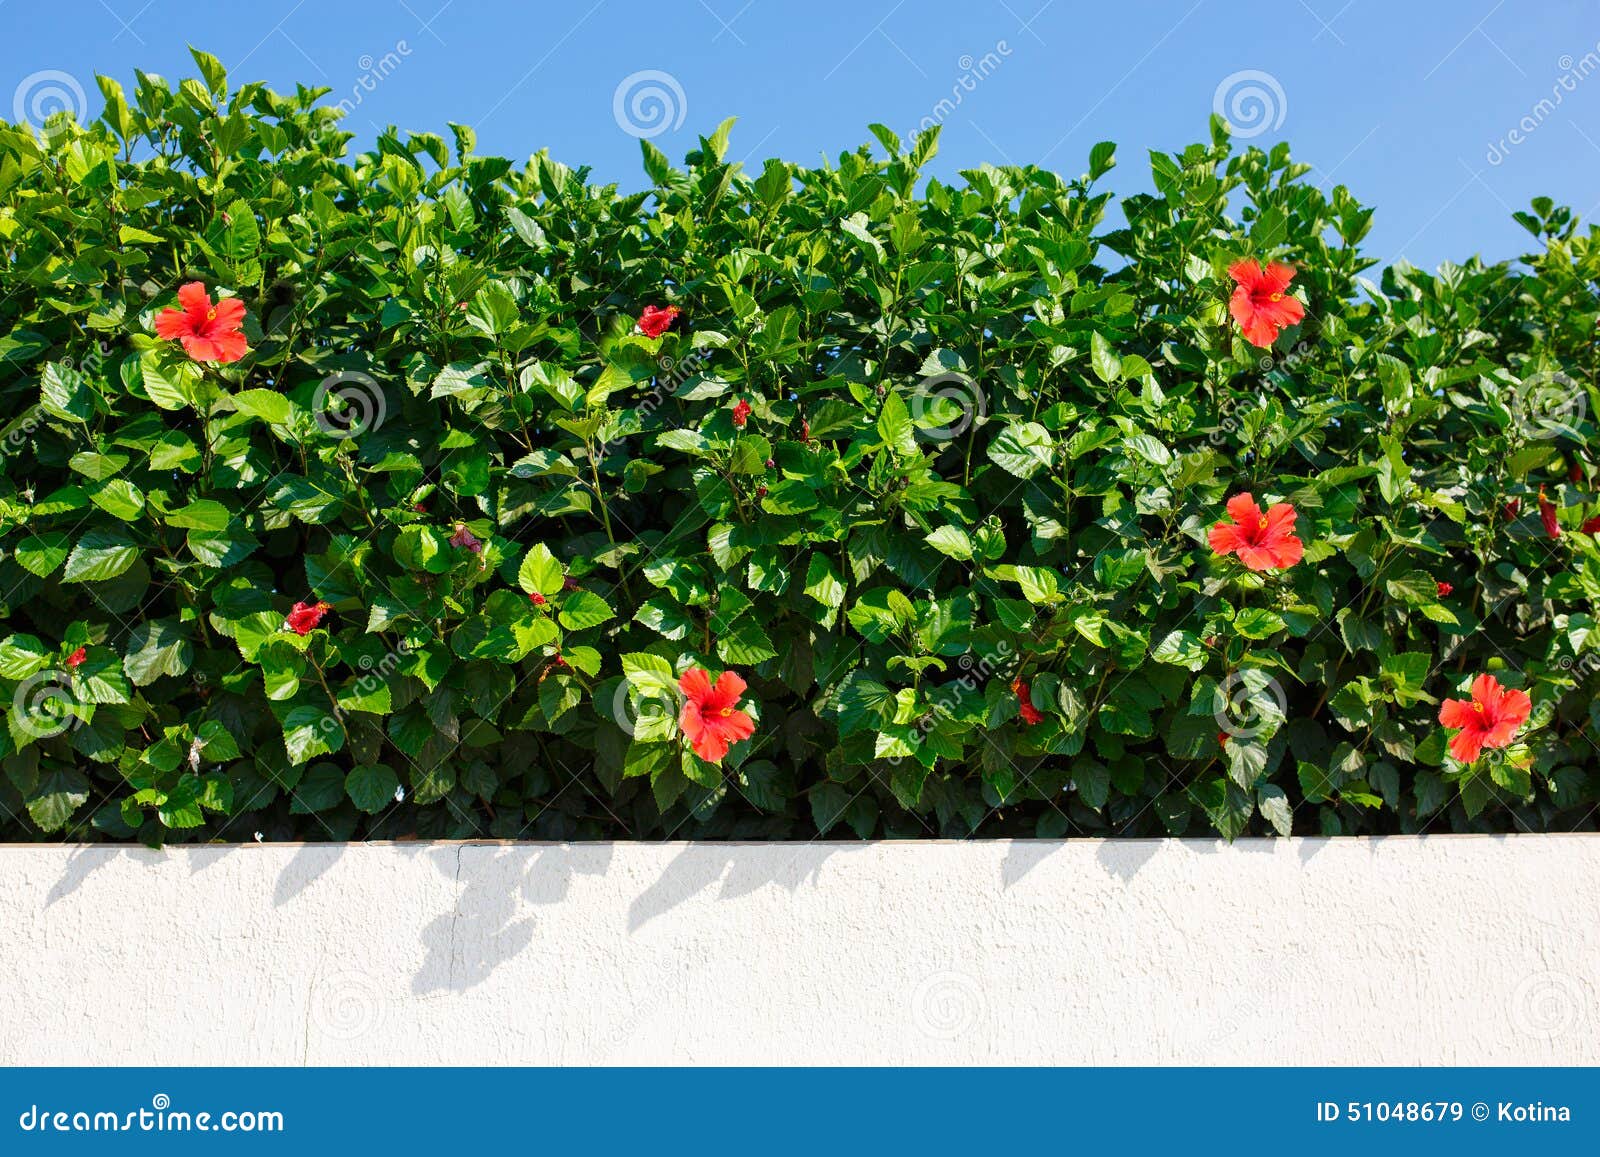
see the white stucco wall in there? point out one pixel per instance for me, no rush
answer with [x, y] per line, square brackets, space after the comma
[1449, 950]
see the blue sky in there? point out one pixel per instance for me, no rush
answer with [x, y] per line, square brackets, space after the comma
[1430, 109]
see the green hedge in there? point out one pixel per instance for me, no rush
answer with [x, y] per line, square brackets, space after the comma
[935, 469]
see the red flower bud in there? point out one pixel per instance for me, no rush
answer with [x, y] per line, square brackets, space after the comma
[741, 413]
[656, 320]
[537, 599]
[303, 619]
[1547, 515]
[1444, 590]
[1025, 708]
[77, 656]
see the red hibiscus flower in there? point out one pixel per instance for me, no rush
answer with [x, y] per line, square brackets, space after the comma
[305, 617]
[77, 656]
[1591, 525]
[209, 333]
[1547, 515]
[1262, 541]
[1489, 719]
[1222, 739]
[1513, 507]
[465, 538]
[1575, 472]
[741, 413]
[1444, 590]
[710, 717]
[656, 320]
[1030, 714]
[1261, 304]
[537, 599]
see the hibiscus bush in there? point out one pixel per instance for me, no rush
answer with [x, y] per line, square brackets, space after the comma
[412, 492]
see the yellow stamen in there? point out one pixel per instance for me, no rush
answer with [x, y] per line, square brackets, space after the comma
[726, 711]
[1277, 297]
[1477, 707]
[1262, 525]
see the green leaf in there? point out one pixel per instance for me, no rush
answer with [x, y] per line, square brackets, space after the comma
[895, 427]
[58, 796]
[1181, 649]
[201, 514]
[952, 542]
[581, 610]
[65, 394]
[40, 554]
[1022, 450]
[268, 405]
[100, 555]
[157, 647]
[1107, 366]
[372, 787]
[1257, 623]
[540, 572]
[310, 731]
